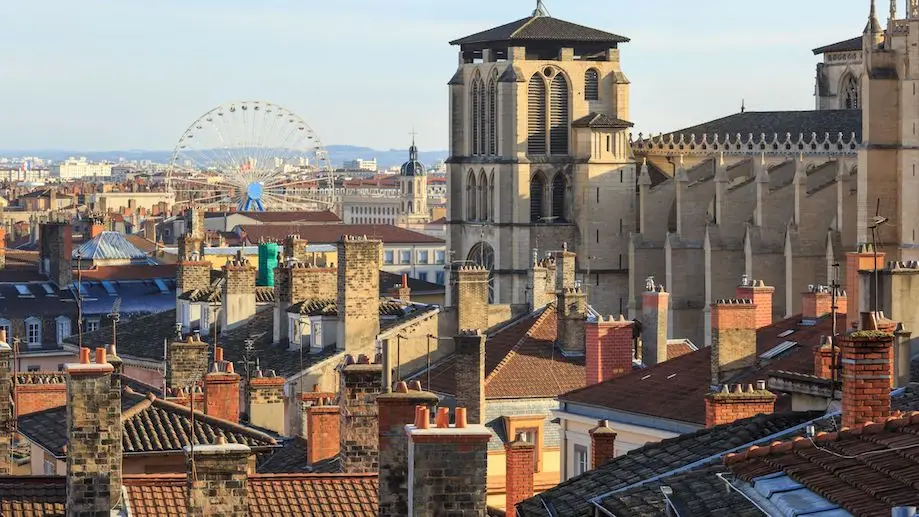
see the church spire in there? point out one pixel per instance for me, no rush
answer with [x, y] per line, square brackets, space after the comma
[893, 9]
[873, 26]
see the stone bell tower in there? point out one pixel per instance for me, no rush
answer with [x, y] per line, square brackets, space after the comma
[540, 155]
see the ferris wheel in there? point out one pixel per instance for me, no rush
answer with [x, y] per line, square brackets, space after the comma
[251, 156]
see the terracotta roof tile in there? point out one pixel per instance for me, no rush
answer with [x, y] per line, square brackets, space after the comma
[32, 496]
[332, 233]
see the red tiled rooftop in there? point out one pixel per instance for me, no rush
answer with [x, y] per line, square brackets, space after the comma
[332, 233]
[127, 272]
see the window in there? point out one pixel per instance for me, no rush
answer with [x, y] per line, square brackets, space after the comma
[423, 257]
[609, 143]
[388, 257]
[63, 328]
[558, 116]
[440, 257]
[537, 188]
[33, 332]
[491, 197]
[493, 115]
[592, 85]
[440, 277]
[405, 257]
[850, 93]
[60, 367]
[536, 115]
[483, 197]
[471, 197]
[483, 127]
[581, 463]
[93, 325]
[476, 115]
[205, 314]
[33, 368]
[292, 330]
[558, 197]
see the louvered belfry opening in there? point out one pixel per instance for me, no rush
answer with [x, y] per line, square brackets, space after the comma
[537, 188]
[536, 116]
[483, 125]
[558, 198]
[558, 132]
[592, 85]
[492, 117]
[483, 197]
[471, 197]
[476, 116]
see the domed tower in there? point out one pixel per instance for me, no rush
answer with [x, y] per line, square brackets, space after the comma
[413, 181]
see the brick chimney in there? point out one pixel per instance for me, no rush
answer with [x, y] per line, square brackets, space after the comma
[2, 246]
[6, 405]
[94, 448]
[401, 291]
[571, 314]
[266, 402]
[196, 228]
[396, 410]
[609, 348]
[305, 400]
[221, 389]
[295, 248]
[358, 293]
[519, 459]
[541, 281]
[469, 373]
[308, 281]
[187, 362]
[861, 260]
[471, 300]
[218, 480]
[867, 360]
[817, 302]
[733, 337]
[323, 440]
[602, 444]
[95, 230]
[192, 275]
[655, 312]
[238, 293]
[150, 229]
[361, 383]
[447, 465]
[38, 391]
[823, 358]
[738, 402]
[190, 248]
[58, 246]
[761, 295]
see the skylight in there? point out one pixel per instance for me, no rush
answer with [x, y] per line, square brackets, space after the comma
[109, 288]
[162, 286]
[778, 349]
[787, 333]
[24, 291]
[48, 289]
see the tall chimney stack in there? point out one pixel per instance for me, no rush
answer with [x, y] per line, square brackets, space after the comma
[361, 383]
[323, 429]
[266, 402]
[471, 285]
[570, 316]
[867, 361]
[609, 349]
[861, 260]
[218, 479]
[6, 405]
[58, 243]
[469, 373]
[520, 463]
[238, 293]
[541, 281]
[358, 293]
[761, 295]
[655, 309]
[733, 337]
[187, 362]
[221, 389]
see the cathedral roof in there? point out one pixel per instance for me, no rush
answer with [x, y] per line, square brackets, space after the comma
[541, 27]
[848, 45]
[780, 123]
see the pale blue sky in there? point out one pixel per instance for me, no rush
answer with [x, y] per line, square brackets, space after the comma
[102, 74]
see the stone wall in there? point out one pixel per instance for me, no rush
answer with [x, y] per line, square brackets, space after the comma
[312, 282]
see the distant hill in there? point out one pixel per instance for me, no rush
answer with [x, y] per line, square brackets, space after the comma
[338, 154]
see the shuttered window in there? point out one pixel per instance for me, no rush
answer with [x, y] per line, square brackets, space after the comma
[536, 116]
[537, 187]
[592, 85]
[483, 125]
[558, 130]
[471, 194]
[492, 117]
[558, 198]
[476, 116]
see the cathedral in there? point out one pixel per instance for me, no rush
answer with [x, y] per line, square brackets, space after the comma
[543, 158]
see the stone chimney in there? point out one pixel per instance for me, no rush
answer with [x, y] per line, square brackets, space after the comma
[571, 313]
[565, 268]
[238, 293]
[358, 293]
[738, 402]
[190, 248]
[655, 312]
[150, 229]
[396, 410]
[609, 348]
[218, 479]
[817, 302]
[761, 295]
[602, 444]
[733, 337]
[520, 462]
[295, 282]
[401, 291]
[187, 362]
[447, 465]
[94, 448]
[541, 282]
[196, 228]
[2, 246]
[295, 248]
[861, 260]
[266, 402]
[6, 404]
[867, 361]
[323, 440]
[221, 389]
[471, 297]
[361, 383]
[469, 373]
[192, 274]
[58, 245]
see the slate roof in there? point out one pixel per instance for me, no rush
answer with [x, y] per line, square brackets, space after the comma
[676, 389]
[108, 246]
[541, 28]
[702, 449]
[867, 470]
[602, 121]
[150, 425]
[39, 299]
[332, 233]
[214, 294]
[840, 46]
[779, 123]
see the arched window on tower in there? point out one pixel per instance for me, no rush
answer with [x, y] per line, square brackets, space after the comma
[476, 116]
[850, 93]
[493, 115]
[483, 196]
[558, 198]
[536, 115]
[558, 117]
[470, 197]
[483, 123]
[592, 85]
[491, 196]
[537, 191]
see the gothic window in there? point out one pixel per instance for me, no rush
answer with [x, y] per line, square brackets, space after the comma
[850, 93]
[493, 115]
[491, 196]
[476, 116]
[558, 198]
[483, 125]
[558, 117]
[536, 116]
[592, 85]
[483, 196]
[537, 189]
[470, 197]
[482, 254]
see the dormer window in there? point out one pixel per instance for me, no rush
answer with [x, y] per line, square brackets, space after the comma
[33, 332]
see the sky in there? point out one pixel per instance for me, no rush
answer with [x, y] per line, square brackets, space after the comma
[133, 74]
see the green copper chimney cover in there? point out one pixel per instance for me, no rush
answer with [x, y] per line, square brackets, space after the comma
[267, 261]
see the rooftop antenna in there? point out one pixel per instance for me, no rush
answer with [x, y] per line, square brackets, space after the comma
[743, 105]
[874, 226]
[115, 315]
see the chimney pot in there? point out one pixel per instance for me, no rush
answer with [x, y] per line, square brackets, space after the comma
[84, 355]
[760, 385]
[423, 419]
[401, 387]
[415, 385]
[218, 353]
[443, 417]
[100, 355]
[461, 418]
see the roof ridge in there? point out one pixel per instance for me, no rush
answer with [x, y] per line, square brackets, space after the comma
[524, 25]
[233, 426]
[144, 403]
[513, 351]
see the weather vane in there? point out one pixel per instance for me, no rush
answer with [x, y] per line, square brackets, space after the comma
[116, 317]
